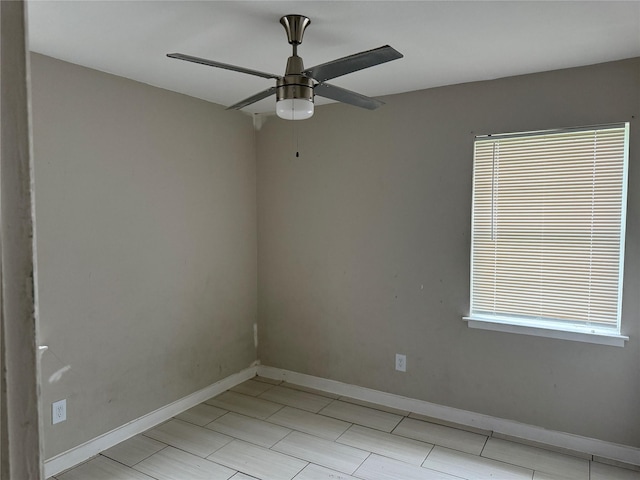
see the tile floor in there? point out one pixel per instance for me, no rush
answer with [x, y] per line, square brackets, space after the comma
[265, 430]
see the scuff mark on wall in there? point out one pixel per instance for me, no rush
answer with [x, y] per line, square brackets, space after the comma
[57, 375]
[257, 122]
[255, 334]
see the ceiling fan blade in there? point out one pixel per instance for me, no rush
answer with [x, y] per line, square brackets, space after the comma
[253, 99]
[352, 63]
[346, 96]
[226, 66]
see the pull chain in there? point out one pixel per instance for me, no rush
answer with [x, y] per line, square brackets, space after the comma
[294, 140]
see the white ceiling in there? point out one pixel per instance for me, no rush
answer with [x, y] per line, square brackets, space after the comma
[444, 42]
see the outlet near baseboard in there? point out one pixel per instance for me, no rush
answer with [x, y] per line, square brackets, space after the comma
[401, 362]
[59, 411]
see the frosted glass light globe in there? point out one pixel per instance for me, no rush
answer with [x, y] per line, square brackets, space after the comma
[294, 108]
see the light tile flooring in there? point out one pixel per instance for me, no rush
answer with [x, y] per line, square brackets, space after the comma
[265, 430]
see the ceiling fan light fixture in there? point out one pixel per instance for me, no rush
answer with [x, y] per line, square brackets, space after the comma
[295, 108]
[294, 93]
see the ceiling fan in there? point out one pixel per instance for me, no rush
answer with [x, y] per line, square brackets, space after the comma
[296, 88]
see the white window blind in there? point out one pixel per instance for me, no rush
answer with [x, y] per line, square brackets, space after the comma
[548, 227]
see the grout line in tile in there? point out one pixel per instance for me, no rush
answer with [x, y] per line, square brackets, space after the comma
[302, 388]
[371, 406]
[180, 449]
[506, 463]
[354, 423]
[271, 447]
[486, 440]
[79, 464]
[497, 461]
[446, 423]
[444, 446]
[360, 464]
[455, 426]
[129, 467]
[374, 406]
[161, 450]
[306, 411]
[428, 453]
[186, 451]
[546, 472]
[332, 441]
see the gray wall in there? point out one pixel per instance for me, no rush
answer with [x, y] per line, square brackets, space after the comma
[364, 252]
[146, 229]
[146, 226]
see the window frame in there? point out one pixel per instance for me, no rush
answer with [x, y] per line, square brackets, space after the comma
[549, 328]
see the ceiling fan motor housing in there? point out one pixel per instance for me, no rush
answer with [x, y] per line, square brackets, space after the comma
[294, 84]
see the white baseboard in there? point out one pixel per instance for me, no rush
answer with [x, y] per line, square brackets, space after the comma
[530, 433]
[94, 446]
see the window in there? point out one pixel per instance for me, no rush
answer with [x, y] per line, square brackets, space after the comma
[548, 230]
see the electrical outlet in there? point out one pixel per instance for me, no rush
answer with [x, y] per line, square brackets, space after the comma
[59, 411]
[401, 362]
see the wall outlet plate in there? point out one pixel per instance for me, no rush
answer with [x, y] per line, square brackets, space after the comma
[59, 411]
[401, 362]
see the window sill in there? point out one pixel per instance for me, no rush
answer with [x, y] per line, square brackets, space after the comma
[577, 334]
